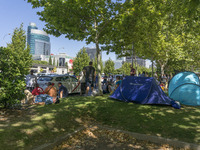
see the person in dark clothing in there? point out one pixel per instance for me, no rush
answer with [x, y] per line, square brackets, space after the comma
[133, 71]
[90, 74]
[62, 92]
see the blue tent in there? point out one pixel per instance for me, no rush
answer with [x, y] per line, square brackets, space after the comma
[184, 87]
[142, 90]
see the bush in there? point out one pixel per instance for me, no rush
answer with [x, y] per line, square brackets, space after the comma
[15, 62]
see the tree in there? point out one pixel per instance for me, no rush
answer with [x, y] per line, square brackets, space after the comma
[54, 69]
[82, 59]
[41, 70]
[40, 62]
[66, 64]
[95, 64]
[109, 67]
[88, 20]
[50, 60]
[149, 26]
[15, 62]
[126, 68]
[54, 61]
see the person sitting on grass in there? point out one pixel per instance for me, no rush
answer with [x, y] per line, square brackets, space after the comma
[51, 91]
[38, 90]
[118, 82]
[62, 92]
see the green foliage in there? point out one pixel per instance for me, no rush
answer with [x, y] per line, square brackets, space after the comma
[95, 64]
[50, 60]
[126, 68]
[40, 62]
[15, 62]
[54, 61]
[41, 70]
[54, 69]
[66, 64]
[88, 20]
[82, 59]
[109, 67]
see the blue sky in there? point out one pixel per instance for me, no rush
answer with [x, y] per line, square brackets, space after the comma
[15, 12]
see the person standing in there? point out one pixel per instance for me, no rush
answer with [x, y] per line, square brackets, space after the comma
[90, 74]
[31, 81]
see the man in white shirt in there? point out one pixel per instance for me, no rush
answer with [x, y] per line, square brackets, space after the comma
[31, 81]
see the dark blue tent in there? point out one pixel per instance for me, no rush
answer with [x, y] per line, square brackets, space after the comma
[184, 87]
[142, 90]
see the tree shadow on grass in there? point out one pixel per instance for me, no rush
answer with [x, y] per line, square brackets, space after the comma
[29, 128]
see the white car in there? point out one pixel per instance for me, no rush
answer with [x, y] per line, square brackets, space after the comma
[70, 82]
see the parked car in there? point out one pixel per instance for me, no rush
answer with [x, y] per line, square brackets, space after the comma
[70, 82]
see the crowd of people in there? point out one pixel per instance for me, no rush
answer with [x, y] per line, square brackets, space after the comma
[36, 95]
[89, 85]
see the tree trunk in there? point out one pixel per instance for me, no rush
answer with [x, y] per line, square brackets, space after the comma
[100, 92]
[162, 66]
[98, 55]
[152, 67]
[162, 69]
[136, 70]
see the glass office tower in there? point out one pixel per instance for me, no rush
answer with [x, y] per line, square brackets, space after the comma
[38, 41]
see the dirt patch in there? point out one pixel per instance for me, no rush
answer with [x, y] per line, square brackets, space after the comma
[103, 139]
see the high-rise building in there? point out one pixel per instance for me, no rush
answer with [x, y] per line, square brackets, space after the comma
[140, 61]
[38, 41]
[91, 52]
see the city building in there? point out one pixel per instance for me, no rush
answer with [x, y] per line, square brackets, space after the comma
[48, 69]
[60, 59]
[140, 61]
[91, 52]
[38, 41]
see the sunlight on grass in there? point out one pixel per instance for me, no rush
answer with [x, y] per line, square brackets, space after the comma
[170, 111]
[41, 124]
[1, 130]
[17, 124]
[36, 128]
[44, 116]
[50, 123]
[20, 143]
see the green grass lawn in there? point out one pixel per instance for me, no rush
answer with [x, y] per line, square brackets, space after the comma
[31, 127]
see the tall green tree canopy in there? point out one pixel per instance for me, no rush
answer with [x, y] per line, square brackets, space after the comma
[82, 59]
[109, 67]
[40, 62]
[50, 60]
[15, 62]
[88, 20]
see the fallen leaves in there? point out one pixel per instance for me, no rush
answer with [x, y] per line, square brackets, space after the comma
[95, 138]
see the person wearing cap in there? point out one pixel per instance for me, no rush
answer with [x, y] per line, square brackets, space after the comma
[31, 81]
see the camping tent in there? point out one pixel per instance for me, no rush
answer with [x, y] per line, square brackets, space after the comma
[184, 87]
[142, 90]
